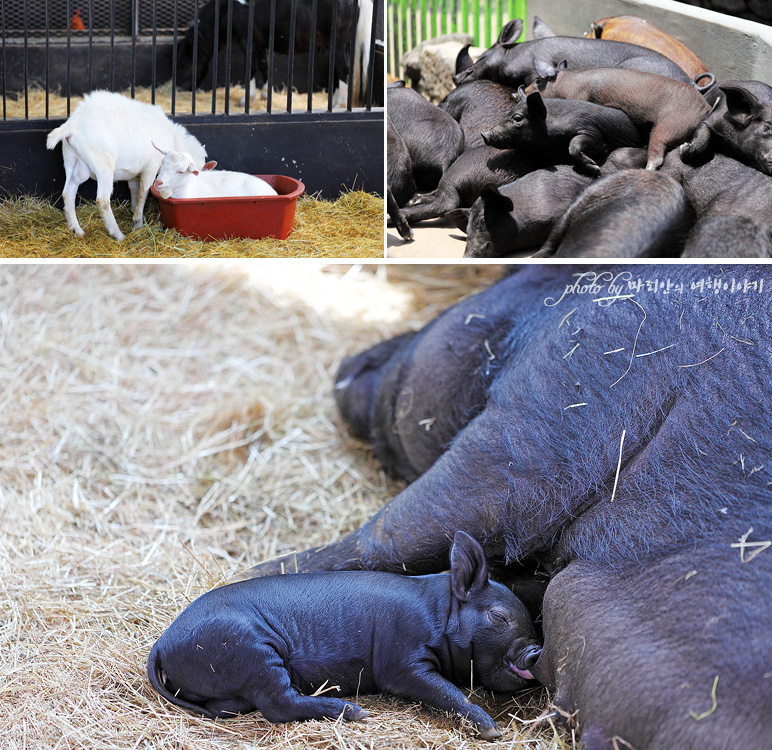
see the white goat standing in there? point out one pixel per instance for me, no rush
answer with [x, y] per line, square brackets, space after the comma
[108, 138]
[180, 177]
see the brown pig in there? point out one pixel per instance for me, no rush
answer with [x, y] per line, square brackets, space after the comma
[637, 30]
[672, 109]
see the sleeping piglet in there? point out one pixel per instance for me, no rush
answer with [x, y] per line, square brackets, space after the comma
[268, 643]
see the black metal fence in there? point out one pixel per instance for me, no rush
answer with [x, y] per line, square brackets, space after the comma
[52, 51]
[69, 47]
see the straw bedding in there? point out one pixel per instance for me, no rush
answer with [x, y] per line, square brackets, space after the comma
[165, 427]
[350, 227]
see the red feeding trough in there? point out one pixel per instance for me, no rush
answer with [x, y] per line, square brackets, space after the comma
[253, 217]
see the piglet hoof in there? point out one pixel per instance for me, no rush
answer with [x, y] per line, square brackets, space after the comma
[352, 712]
[654, 164]
[119, 236]
[489, 732]
[78, 232]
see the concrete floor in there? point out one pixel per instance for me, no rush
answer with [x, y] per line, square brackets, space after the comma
[436, 238]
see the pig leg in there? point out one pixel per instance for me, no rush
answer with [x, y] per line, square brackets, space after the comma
[279, 701]
[445, 199]
[698, 145]
[432, 689]
[290, 705]
[579, 149]
[395, 214]
[414, 532]
[661, 138]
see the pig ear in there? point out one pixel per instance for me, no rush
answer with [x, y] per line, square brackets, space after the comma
[544, 70]
[463, 59]
[492, 197]
[595, 32]
[536, 108]
[540, 29]
[521, 95]
[510, 32]
[459, 217]
[741, 105]
[468, 569]
[210, 165]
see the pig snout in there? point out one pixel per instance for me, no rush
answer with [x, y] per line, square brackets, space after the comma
[462, 76]
[522, 664]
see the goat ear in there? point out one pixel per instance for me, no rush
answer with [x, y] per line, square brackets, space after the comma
[195, 172]
[210, 165]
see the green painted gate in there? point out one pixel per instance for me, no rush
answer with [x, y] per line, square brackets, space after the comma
[412, 21]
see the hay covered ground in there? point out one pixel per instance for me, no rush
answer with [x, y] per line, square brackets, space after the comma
[165, 426]
[350, 227]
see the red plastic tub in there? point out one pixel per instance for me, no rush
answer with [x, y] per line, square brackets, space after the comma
[253, 217]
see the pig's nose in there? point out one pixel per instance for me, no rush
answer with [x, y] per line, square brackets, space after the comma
[462, 76]
[530, 656]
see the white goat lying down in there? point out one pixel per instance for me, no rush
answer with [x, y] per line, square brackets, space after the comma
[110, 137]
[180, 177]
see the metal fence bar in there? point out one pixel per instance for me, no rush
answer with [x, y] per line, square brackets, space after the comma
[271, 45]
[48, 59]
[352, 56]
[154, 52]
[371, 59]
[194, 76]
[174, 57]
[133, 46]
[215, 54]
[26, 61]
[331, 74]
[228, 51]
[90, 45]
[69, 16]
[112, 45]
[291, 53]
[5, 68]
[248, 72]
[312, 56]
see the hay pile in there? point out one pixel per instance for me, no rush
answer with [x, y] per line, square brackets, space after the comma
[35, 102]
[350, 227]
[164, 427]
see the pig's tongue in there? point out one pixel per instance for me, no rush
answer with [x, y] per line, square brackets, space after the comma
[524, 673]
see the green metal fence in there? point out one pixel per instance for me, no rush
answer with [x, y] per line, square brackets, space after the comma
[412, 21]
